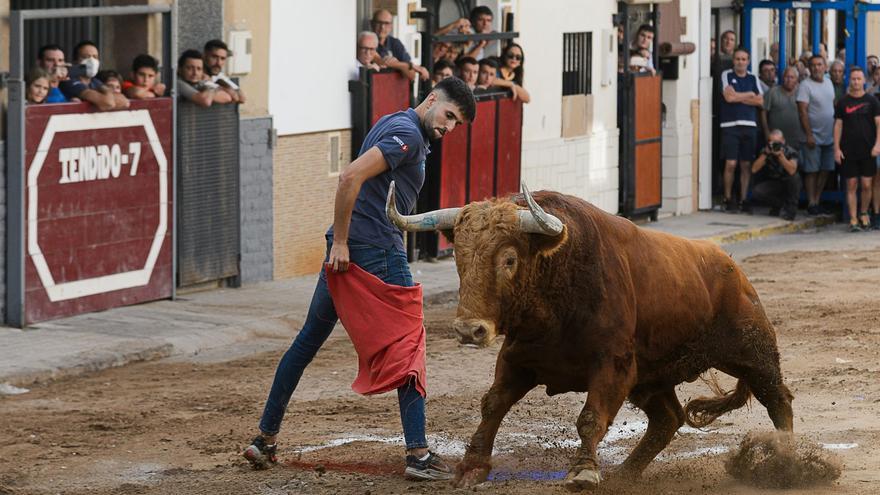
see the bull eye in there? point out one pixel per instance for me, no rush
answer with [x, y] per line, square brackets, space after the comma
[510, 261]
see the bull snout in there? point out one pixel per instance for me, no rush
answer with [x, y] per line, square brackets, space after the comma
[478, 332]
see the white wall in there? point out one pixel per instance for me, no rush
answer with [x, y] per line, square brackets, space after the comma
[312, 55]
[541, 30]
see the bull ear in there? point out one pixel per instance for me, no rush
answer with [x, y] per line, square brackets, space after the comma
[449, 234]
[547, 245]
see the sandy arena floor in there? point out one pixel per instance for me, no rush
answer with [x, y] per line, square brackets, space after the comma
[177, 426]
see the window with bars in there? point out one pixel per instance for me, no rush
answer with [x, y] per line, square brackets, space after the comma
[577, 61]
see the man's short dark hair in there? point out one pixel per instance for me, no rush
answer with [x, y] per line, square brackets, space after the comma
[820, 57]
[765, 63]
[144, 60]
[645, 27]
[214, 45]
[490, 62]
[465, 60]
[188, 54]
[742, 49]
[481, 10]
[48, 48]
[457, 91]
[856, 68]
[81, 44]
[442, 64]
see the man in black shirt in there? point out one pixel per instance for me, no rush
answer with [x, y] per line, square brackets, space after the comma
[856, 145]
[776, 180]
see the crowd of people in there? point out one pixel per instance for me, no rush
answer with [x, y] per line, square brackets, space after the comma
[201, 78]
[781, 135]
[483, 65]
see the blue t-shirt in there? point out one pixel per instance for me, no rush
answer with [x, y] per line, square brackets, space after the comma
[393, 46]
[55, 96]
[404, 145]
[73, 87]
[733, 114]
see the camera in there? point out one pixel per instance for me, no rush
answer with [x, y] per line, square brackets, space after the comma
[774, 146]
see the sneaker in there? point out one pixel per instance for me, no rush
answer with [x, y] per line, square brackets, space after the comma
[855, 227]
[788, 215]
[431, 467]
[813, 210]
[745, 207]
[729, 206]
[260, 454]
[875, 221]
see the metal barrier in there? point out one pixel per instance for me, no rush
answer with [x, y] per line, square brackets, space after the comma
[208, 190]
[474, 162]
[374, 95]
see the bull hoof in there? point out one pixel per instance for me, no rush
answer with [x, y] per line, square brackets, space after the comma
[585, 479]
[471, 477]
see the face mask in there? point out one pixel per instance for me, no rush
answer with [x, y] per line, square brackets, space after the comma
[90, 67]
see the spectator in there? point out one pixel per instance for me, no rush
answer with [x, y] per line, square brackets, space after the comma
[841, 55]
[836, 74]
[512, 72]
[774, 53]
[84, 86]
[439, 51]
[487, 74]
[37, 86]
[776, 180]
[143, 84]
[857, 145]
[392, 51]
[874, 87]
[460, 25]
[111, 79]
[442, 70]
[713, 47]
[468, 71]
[823, 52]
[766, 75]
[803, 70]
[815, 99]
[51, 60]
[871, 62]
[367, 43]
[192, 84]
[781, 110]
[216, 54]
[741, 97]
[643, 44]
[728, 44]
[481, 23]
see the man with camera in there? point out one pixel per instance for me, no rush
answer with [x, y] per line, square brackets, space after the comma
[776, 180]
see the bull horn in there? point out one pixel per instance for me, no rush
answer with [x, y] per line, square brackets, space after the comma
[423, 222]
[536, 220]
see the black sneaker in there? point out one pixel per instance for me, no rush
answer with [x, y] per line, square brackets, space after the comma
[745, 207]
[260, 454]
[431, 468]
[813, 210]
[730, 206]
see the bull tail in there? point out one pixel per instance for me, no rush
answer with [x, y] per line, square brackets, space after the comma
[703, 411]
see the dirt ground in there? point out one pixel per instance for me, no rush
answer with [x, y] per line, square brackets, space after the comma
[177, 426]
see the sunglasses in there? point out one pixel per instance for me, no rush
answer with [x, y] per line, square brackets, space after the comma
[511, 56]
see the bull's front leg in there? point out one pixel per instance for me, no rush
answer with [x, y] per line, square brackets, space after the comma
[510, 385]
[608, 388]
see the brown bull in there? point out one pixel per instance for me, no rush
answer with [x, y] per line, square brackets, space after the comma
[588, 302]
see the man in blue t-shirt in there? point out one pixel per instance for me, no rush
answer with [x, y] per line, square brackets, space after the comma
[393, 150]
[741, 99]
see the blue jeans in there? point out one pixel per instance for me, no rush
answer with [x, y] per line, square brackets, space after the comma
[391, 266]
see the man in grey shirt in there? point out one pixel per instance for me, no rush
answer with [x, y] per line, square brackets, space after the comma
[815, 98]
[781, 110]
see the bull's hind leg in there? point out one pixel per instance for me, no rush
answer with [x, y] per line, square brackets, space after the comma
[608, 389]
[757, 363]
[510, 385]
[665, 417]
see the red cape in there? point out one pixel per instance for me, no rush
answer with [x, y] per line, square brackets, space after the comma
[386, 325]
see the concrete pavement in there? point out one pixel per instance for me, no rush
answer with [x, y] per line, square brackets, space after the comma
[199, 322]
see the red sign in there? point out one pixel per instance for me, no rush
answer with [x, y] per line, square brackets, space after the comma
[98, 213]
